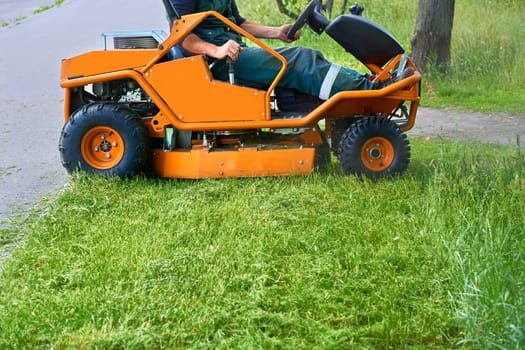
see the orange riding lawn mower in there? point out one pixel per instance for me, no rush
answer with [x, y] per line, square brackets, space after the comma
[138, 104]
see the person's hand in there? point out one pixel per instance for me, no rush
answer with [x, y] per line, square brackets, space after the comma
[230, 49]
[283, 31]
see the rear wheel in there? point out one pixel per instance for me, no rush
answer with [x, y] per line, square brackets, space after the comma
[375, 147]
[104, 138]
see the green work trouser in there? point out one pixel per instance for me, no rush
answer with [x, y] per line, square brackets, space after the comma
[308, 71]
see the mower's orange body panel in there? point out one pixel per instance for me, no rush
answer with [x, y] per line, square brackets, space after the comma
[190, 99]
[202, 99]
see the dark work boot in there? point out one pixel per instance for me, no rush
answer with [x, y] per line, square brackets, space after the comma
[407, 72]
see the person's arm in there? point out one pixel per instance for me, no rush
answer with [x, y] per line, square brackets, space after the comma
[195, 44]
[267, 32]
[259, 30]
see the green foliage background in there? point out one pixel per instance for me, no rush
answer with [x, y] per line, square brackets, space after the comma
[488, 55]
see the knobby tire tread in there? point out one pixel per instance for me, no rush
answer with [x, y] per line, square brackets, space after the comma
[349, 151]
[118, 116]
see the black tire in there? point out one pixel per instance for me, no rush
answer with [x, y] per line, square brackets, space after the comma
[375, 147]
[338, 127]
[105, 139]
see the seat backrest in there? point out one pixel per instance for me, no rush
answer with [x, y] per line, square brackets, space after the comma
[366, 40]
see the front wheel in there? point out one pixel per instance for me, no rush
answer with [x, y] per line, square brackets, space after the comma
[375, 147]
[104, 138]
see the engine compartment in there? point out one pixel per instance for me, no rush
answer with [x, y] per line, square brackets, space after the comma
[125, 91]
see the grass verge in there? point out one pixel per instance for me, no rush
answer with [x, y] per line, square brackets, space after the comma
[35, 12]
[430, 260]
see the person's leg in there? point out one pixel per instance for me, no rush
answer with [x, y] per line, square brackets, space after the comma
[350, 78]
[308, 71]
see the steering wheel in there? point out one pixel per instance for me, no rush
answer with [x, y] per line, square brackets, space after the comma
[303, 18]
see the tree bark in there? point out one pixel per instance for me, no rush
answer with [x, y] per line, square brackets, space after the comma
[433, 33]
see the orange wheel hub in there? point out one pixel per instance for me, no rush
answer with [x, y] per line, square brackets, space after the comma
[102, 147]
[377, 154]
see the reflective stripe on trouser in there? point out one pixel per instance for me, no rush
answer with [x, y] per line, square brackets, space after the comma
[308, 71]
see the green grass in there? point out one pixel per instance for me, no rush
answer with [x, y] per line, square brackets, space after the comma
[430, 260]
[48, 7]
[488, 57]
[35, 12]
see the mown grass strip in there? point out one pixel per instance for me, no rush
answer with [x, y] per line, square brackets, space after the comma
[428, 260]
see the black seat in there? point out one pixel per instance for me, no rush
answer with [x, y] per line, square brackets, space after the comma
[366, 40]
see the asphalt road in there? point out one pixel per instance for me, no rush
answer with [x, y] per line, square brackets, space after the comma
[31, 114]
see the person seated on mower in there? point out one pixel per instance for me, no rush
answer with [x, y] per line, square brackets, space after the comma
[308, 71]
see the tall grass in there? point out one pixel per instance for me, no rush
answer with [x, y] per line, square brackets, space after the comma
[484, 211]
[430, 260]
[488, 57]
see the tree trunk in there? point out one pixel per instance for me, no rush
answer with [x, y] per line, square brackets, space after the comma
[431, 39]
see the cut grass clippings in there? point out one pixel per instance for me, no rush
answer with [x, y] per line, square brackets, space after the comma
[430, 260]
